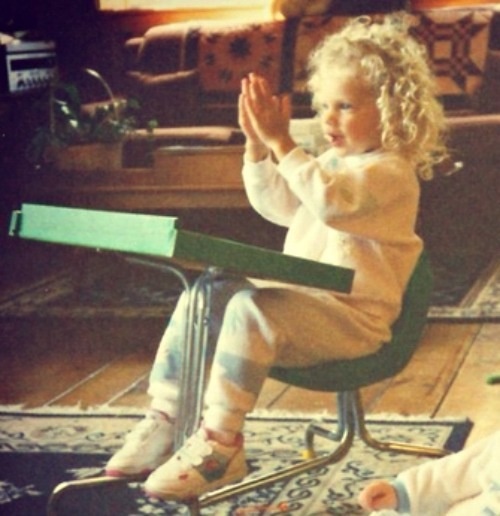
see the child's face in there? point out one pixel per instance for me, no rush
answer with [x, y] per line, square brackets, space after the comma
[349, 115]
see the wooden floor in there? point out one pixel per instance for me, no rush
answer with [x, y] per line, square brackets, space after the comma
[50, 363]
[57, 363]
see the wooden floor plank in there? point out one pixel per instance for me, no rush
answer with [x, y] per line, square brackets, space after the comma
[102, 386]
[135, 396]
[35, 371]
[470, 395]
[445, 378]
[295, 399]
[420, 388]
[371, 394]
[271, 392]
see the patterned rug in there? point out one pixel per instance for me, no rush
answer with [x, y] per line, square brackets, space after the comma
[41, 449]
[105, 287]
[466, 288]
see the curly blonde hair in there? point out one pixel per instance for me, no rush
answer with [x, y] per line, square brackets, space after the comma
[396, 66]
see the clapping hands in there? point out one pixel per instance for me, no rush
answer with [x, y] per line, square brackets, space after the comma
[264, 118]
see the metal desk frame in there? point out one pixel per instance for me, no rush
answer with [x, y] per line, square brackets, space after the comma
[193, 375]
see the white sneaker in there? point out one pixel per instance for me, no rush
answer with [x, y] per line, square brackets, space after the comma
[147, 446]
[200, 465]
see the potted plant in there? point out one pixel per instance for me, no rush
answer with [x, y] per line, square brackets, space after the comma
[83, 137]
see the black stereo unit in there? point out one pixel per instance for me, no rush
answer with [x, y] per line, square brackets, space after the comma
[27, 66]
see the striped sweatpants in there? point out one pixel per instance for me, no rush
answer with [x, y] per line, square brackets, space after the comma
[251, 329]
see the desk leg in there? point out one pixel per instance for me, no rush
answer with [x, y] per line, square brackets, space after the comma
[192, 381]
[194, 366]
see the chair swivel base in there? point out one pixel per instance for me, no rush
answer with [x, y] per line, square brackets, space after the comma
[351, 422]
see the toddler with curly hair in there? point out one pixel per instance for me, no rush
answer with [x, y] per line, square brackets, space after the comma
[353, 206]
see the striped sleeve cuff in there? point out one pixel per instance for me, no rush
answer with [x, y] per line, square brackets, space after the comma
[402, 495]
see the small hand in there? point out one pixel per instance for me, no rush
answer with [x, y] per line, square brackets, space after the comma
[265, 117]
[378, 495]
[255, 148]
[244, 118]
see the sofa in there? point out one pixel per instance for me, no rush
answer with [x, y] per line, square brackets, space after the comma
[187, 76]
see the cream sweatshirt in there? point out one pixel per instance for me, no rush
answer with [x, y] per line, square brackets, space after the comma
[358, 212]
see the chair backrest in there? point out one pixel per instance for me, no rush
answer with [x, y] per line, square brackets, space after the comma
[392, 357]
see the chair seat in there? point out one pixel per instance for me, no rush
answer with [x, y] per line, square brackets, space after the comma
[392, 357]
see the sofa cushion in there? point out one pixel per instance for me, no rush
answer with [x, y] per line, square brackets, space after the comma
[457, 42]
[226, 54]
[487, 97]
[165, 48]
[191, 71]
[456, 39]
[171, 99]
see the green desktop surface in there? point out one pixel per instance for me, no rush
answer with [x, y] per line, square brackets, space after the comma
[161, 237]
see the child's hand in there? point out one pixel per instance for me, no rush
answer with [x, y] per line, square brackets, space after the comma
[255, 148]
[244, 117]
[265, 117]
[378, 495]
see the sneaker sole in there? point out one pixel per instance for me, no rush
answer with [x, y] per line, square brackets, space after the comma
[115, 473]
[143, 474]
[176, 497]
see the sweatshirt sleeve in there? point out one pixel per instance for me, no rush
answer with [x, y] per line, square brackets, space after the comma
[372, 196]
[402, 497]
[367, 195]
[346, 188]
[268, 191]
[435, 486]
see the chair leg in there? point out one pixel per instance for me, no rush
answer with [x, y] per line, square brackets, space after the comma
[363, 433]
[344, 432]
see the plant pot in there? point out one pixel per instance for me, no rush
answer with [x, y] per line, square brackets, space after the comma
[89, 156]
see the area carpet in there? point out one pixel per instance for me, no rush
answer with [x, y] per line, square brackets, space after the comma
[39, 449]
[466, 288]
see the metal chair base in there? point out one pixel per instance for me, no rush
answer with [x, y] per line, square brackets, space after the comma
[351, 423]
